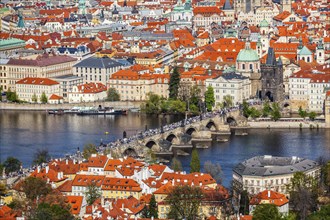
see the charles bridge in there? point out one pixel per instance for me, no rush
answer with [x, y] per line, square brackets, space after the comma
[199, 132]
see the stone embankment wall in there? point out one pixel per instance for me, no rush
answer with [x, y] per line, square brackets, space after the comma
[286, 124]
[42, 107]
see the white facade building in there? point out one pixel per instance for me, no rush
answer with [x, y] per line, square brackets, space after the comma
[232, 84]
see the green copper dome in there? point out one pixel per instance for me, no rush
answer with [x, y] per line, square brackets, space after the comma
[264, 23]
[247, 55]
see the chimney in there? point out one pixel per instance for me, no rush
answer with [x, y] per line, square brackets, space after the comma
[268, 193]
[38, 169]
[47, 169]
[172, 182]
[66, 161]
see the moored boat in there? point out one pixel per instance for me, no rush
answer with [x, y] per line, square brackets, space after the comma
[101, 111]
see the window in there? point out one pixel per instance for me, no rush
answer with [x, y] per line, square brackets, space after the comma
[251, 66]
[243, 66]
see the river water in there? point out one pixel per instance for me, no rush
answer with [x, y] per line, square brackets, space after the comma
[23, 132]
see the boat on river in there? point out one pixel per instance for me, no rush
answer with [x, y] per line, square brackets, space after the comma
[55, 111]
[101, 111]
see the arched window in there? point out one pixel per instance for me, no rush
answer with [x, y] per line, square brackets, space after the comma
[243, 66]
[320, 54]
[308, 59]
[251, 66]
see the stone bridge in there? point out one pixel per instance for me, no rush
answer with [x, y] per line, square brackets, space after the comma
[184, 137]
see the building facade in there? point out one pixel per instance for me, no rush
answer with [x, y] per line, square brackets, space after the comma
[37, 66]
[270, 173]
[31, 88]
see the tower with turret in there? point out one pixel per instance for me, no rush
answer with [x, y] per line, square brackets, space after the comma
[319, 53]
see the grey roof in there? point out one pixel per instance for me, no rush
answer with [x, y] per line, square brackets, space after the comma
[227, 5]
[94, 62]
[271, 166]
[232, 75]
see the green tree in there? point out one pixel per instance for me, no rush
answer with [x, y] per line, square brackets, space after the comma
[151, 210]
[228, 101]
[302, 113]
[214, 170]
[12, 164]
[266, 212]
[43, 98]
[195, 95]
[1, 169]
[113, 95]
[89, 149]
[177, 107]
[266, 109]
[209, 98]
[246, 109]
[174, 84]
[184, 202]
[51, 211]
[312, 116]
[152, 105]
[322, 214]
[92, 193]
[255, 113]
[176, 164]
[11, 96]
[303, 192]
[195, 164]
[34, 98]
[35, 188]
[41, 156]
[275, 113]
[244, 203]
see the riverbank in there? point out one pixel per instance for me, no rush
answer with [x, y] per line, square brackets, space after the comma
[43, 107]
[287, 124]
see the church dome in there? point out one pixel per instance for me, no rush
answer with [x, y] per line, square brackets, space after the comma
[247, 55]
[264, 23]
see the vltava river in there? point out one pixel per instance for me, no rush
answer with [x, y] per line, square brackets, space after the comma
[23, 132]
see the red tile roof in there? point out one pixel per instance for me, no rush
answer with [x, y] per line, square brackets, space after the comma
[92, 88]
[120, 184]
[85, 180]
[75, 202]
[272, 197]
[37, 81]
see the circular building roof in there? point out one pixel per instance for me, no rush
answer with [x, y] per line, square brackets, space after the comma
[247, 55]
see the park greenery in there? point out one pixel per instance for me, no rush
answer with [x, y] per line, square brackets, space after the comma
[12, 96]
[273, 111]
[183, 98]
[112, 95]
[304, 114]
[266, 212]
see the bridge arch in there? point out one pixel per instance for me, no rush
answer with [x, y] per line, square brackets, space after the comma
[130, 152]
[231, 120]
[191, 130]
[171, 138]
[151, 144]
[211, 125]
